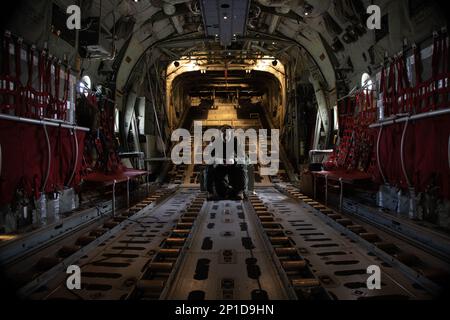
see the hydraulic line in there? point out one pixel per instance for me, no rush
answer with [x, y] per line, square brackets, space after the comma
[76, 157]
[402, 154]
[49, 159]
[378, 155]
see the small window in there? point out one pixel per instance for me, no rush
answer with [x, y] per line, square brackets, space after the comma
[336, 117]
[85, 85]
[366, 83]
[116, 121]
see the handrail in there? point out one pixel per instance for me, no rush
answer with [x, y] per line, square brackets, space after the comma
[42, 122]
[315, 152]
[420, 116]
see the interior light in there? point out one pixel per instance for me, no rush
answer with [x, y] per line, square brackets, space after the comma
[6, 237]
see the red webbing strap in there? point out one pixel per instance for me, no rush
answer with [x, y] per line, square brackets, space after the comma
[399, 90]
[17, 53]
[357, 130]
[57, 78]
[383, 89]
[30, 60]
[63, 110]
[444, 76]
[418, 79]
[403, 79]
[48, 85]
[28, 94]
[7, 82]
[405, 91]
[368, 161]
[41, 95]
[425, 91]
[391, 90]
[18, 65]
[345, 146]
[41, 70]
[40, 108]
[54, 106]
[372, 107]
[435, 72]
[6, 55]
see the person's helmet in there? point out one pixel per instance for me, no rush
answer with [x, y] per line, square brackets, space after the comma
[226, 127]
[224, 132]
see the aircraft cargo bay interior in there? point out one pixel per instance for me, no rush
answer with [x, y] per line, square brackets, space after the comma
[191, 150]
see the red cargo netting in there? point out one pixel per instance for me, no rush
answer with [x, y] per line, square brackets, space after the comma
[27, 155]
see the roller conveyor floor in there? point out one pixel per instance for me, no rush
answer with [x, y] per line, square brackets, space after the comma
[269, 247]
[227, 259]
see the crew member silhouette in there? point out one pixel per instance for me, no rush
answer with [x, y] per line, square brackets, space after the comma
[227, 179]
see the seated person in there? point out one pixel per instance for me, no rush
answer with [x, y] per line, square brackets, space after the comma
[227, 181]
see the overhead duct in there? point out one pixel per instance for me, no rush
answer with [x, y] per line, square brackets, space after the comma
[177, 24]
[274, 24]
[225, 19]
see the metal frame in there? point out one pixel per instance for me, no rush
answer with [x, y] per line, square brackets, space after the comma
[42, 122]
[341, 194]
[269, 248]
[15, 250]
[410, 273]
[435, 242]
[60, 269]
[177, 267]
[403, 118]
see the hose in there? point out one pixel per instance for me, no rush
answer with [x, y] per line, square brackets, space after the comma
[378, 155]
[76, 158]
[402, 153]
[49, 158]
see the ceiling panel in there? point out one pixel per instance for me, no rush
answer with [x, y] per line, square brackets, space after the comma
[225, 19]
